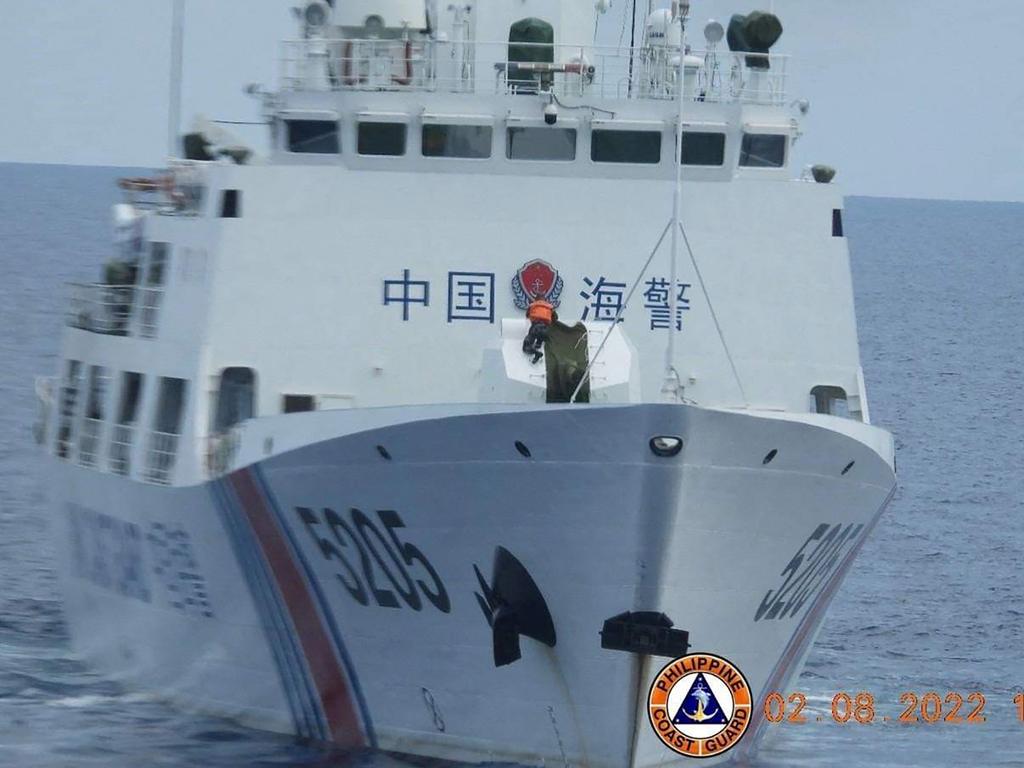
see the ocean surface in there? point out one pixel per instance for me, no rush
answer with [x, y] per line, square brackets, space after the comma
[934, 603]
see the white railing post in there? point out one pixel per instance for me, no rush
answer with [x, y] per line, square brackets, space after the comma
[451, 66]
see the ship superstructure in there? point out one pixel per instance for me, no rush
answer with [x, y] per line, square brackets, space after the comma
[304, 474]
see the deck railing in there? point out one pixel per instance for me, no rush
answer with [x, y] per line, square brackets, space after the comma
[108, 309]
[121, 448]
[161, 452]
[149, 309]
[179, 191]
[100, 308]
[221, 451]
[574, 71]
[88, 441]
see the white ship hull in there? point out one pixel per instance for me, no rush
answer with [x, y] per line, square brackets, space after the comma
[246, 597]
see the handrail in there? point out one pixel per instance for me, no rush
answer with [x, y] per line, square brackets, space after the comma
[647, 73]
[108, 309]
[221, 450]
[121, 440]
[88, 441]
[161, 453]
[100, 307]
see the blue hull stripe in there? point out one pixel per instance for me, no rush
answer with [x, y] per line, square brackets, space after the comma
[304, 707]
[322, 604]
[313, 715]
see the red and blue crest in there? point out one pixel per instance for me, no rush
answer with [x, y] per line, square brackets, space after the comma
[537, 280]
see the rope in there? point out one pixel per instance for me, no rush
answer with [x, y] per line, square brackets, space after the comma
[618, 315]
[714, 315]
[622, 32]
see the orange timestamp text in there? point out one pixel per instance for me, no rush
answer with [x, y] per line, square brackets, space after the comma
[930, 707]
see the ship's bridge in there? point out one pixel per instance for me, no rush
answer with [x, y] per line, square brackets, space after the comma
[237, 278]
[516, 91]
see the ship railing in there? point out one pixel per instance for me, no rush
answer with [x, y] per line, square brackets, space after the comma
[100, 308]
[161, 452]
[717, 76]
[178, 191]
[221, 451]
[121, 440]
[150, 299]
[88, 441]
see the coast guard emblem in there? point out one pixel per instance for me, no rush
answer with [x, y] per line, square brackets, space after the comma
[537, 280]
[699, 705]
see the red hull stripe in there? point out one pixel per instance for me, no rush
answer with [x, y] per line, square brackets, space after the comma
[332, 685]
[804, 634]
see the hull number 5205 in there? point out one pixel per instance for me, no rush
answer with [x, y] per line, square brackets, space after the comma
[376, 567]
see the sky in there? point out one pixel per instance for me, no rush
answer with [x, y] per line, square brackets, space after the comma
[909, 98]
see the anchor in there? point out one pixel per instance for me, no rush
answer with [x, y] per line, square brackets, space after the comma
[513, 605]
[703, 696]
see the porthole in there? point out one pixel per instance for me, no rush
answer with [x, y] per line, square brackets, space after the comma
[848, 467]
[666, 446]
[770, 457]
[383, 452]
[521, 447]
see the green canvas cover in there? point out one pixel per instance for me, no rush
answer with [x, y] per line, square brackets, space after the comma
[539, 36]
[754, 33]
[531, 40]
[566, 356]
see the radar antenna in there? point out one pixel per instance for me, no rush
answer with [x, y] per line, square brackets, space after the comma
[174, 103]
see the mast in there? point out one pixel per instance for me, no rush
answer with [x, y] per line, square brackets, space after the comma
[174, 103]
[671, 386]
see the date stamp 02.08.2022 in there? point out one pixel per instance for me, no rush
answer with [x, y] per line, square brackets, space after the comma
[931, 707]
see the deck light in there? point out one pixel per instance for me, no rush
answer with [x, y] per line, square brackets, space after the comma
[315, 15]
[714, 32]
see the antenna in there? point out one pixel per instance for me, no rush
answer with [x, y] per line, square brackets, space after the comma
[174, 104]
[671, 385]
[632, 49]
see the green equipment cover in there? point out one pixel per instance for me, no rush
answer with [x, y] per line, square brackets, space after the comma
[530, 41]
[755, 33]
[566, 356]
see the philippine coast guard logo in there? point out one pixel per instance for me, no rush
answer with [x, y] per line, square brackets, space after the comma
[699, 705]
[537, 280]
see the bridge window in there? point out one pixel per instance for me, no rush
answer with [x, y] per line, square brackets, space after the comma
[298, 403]
[163, 439]
[382, 139]
[92, 422]
[466, 141]
[236, 398]
[171, 405]
[127, 415]
[703, 148]
[157, 266]
[830, 400]
[313, 137]
[231, 204]
[529, 143]
[151, 293]
[763, 150]
[641, 147]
